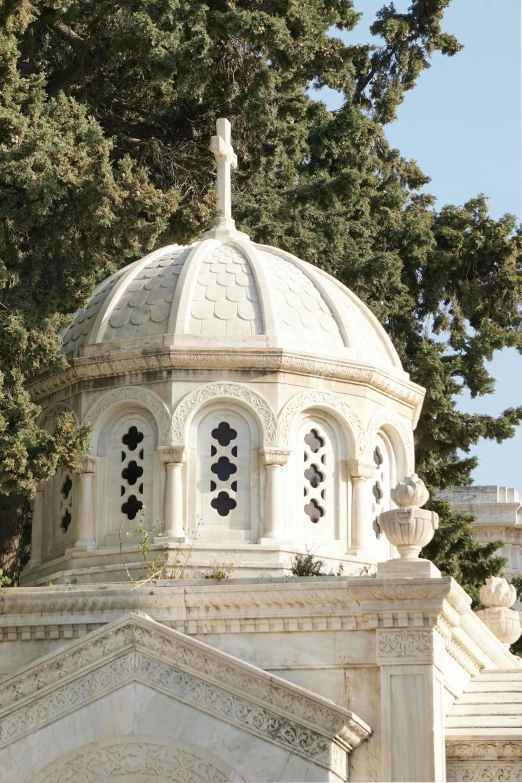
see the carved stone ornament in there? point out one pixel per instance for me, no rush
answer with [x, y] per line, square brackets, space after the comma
[498, 592]
[409, 528]
[410, 492]
[192, 401]
[275, 456]
[136, 648]
[149, 757]
[498, 595]
[361, 470]
[173, 454]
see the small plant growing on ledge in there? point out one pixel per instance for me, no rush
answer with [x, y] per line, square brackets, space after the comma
[219, 570]
[311, 565]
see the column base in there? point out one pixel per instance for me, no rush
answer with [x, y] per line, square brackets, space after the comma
[414, 568]
[171, 540]
[81, 546]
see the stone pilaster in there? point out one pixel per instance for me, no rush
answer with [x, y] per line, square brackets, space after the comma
[37, 528]
[84, 535]
[274, 460]
[412, 706]
[173, 457]
[362, 534]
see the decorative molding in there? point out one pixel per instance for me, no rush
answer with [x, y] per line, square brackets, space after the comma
[313, 398]
[506, 533]
[379, 419]
[173, 454]
[192, 401]
[484, 772]
[275, 456]
[490, 750]
[243, 713]
[136, 648]
[123, 362]
[167, 760]
[404, 644]
[138, 395]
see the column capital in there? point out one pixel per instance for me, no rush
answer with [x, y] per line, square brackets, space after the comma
[274, 456]
[172, 454]
[360, 470]
[87, 464]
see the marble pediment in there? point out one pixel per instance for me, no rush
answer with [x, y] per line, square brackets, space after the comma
[136, 651]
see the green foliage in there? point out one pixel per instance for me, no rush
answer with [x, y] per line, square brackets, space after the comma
[106, 110]
[5, 581]
[309, 564]
[220, 569]
[457, 553]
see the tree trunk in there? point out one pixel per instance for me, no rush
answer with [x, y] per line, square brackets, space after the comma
[15, 519]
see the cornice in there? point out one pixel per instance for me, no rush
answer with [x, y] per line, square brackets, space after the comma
[126, 362]
[137, 648]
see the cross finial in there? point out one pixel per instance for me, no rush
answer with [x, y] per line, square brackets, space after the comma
[225, 158]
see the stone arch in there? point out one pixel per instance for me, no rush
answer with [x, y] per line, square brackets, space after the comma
[52, 413]
[139, 396]
[185, 410]
[400, 436]
[320, 399]
[130, 758]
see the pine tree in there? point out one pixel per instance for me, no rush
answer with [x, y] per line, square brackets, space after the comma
[106, 115]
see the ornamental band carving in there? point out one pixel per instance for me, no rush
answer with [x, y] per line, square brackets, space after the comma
[404, 644]
[134, 756]
[193, 400]
[309, 399]
[139, 395]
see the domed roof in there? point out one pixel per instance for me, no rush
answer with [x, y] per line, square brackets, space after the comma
[222, 290]
[226, 291]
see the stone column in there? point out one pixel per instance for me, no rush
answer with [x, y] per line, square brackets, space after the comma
[412, 707]
[174, 457]
[84, 538]
[274, 460]
[37, 528]
[362, 534]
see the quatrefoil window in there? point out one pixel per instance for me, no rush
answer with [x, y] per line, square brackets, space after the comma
[224, 434]
[132, 438]
[314, 510]
[314, 441]
[66, 521]
[131, 507]
[223, 468]
[132, 472]
[223, 504]
[313, 476]
[67, 486]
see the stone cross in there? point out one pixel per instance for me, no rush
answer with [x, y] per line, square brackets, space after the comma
[225, 158]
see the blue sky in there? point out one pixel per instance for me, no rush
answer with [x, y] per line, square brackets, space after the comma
[462, 124]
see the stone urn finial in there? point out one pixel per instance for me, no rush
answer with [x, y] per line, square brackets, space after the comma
[410, 492]
[409, 527]
[499, 596]
[498, 592]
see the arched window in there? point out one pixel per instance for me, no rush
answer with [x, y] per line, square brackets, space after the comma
[224, 471]
[317, 480]
[385, 479]
[126, 449]
[59, 513]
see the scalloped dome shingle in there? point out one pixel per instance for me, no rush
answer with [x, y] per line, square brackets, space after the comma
[232, 290]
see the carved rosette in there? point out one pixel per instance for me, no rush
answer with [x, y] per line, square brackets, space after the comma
[173, 454]
[275, 456]
[86, 465]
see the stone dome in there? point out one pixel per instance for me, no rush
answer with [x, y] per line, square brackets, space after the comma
[227, 291]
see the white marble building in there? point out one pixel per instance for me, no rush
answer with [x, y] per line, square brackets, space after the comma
[243, 401]
[498, 517]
